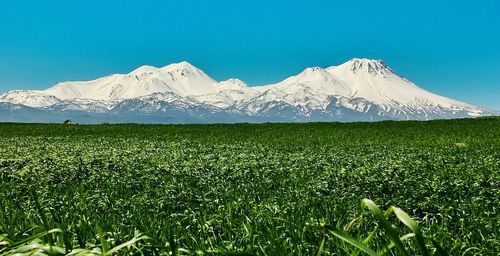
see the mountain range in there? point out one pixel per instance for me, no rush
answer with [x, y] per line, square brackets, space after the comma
[357, 90]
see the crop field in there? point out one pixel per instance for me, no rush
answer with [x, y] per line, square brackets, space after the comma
[251, 189]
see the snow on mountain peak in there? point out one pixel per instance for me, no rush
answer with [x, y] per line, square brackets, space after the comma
[312, 69]
[146, 69]
[374, 81]
[360, 61]
[180, 78]
[184, 68]
[232, 84]
[235, 81]
[180, 67]
[312, 73]
[371, 66]
[359, 86]
[316, 79]
[31, 98]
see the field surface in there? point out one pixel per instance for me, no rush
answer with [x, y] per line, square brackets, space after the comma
[265, 189]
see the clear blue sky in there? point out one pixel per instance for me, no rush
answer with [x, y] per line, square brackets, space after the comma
[448, 47]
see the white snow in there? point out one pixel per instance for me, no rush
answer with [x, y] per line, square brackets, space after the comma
[357, 84]
[181, 78]
[377, 83]
[30, 98]
[232, 84]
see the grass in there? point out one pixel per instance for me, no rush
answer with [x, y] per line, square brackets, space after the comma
[268, 189]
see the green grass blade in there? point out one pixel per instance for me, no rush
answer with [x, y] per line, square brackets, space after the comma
[392, 245]
[102, 239]
[351, 240]
[370, 236]
[410, 223]
[386, 226]
[31, 238]
[321, 246]
[123, 245]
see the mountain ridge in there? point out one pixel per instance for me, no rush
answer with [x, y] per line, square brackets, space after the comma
[358, 90]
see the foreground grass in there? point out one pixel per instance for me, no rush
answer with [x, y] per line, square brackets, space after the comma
[270, 189]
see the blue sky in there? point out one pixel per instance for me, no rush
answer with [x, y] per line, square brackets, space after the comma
[448, 47]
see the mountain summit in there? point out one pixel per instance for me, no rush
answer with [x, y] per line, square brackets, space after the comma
[181, 78]
[357, 90]
[372, 67]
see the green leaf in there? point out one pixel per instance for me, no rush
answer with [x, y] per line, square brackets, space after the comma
[351, 240]
[126, 244]
[321, 246]
[410, 223]
[386, 226]
[31, 238]
[104, 242]
[391, 245]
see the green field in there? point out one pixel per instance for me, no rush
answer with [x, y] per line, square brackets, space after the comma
[264, 189]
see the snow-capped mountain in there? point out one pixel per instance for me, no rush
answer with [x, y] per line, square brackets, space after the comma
[31, 98]
[358, 90]
[181, 78]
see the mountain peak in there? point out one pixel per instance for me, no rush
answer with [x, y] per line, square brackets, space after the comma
[366, 60]
[360, 62]
[313, 71]
[183, 67]
[372, 66]
[232, 84]
[359, 88]
[234, 81]
[144, 69]
[312, 74]
[180, 66]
